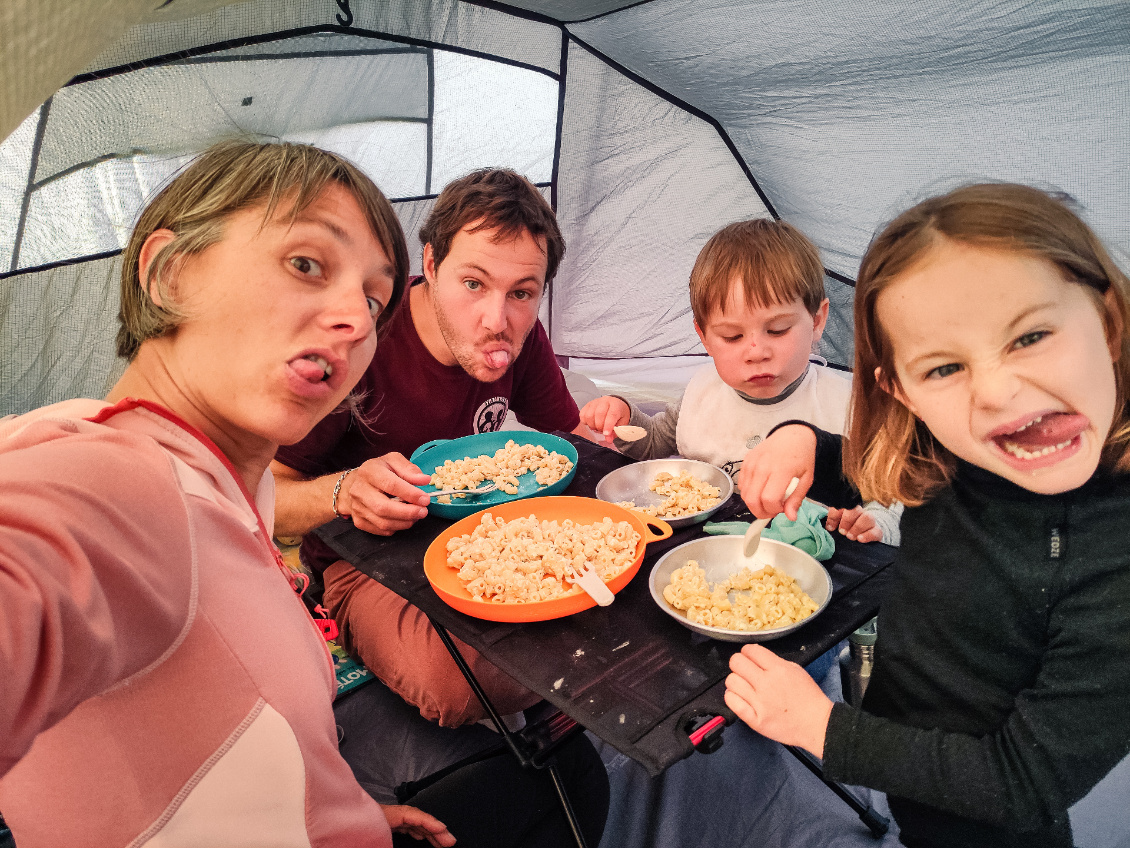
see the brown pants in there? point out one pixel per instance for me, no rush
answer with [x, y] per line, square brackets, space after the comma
[398, 644]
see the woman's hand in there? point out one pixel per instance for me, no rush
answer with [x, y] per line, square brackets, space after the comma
[367, 495]
[778, 699]
[604, 413]
[418, 824]
[768, 469]
[854, 523]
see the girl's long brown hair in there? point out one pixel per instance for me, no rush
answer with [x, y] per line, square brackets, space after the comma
[889, 454]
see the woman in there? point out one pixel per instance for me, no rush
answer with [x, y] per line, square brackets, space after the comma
[163, 680]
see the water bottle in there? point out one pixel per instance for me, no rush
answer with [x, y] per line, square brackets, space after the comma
[856, 661]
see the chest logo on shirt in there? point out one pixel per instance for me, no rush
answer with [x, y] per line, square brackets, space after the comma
[490, 415]
[753, 441]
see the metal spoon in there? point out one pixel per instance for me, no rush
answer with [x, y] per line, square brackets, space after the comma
[753, 534]
[481, 490]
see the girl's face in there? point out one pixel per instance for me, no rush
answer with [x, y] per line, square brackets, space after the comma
[1005, 362]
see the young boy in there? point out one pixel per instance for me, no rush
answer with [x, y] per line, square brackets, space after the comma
[757, 294]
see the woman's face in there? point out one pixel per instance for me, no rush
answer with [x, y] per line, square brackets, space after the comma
[280, 321]
[1005, 361]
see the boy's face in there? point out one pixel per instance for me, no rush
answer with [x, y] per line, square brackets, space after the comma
[759, 350]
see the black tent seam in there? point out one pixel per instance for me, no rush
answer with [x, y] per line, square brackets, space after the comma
[847, 281]
[555, 172]
[431, 119]
[687, 107]
[434, 195]
[106, 158]
[33, 164]
[515, 11]
[62, 263]
[407, 50]
[169, 58]
[610, 12]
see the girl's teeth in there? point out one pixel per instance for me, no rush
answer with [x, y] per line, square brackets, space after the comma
[1020, 452]
[1030, 423]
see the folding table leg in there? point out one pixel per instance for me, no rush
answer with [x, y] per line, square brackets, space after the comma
[510, 738]
[875, 822]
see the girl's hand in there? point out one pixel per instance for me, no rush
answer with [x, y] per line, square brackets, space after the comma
[768, 469]
[382, 495]
[418, 824]
[778, 699]
[604, 413]
[854, 523]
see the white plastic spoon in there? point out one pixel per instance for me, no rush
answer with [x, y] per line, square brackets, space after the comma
[628, 433]
[590, 581]
[753, 534]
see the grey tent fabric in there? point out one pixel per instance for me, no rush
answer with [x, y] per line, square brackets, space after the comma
[651, 124]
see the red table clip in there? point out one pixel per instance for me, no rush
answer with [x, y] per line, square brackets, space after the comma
[705, 739]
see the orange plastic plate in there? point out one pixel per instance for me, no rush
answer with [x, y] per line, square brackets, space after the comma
[445, 580]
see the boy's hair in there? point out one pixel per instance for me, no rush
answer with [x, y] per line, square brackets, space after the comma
[493, 198]
[775, 262]
[888, 453]
[228, 178]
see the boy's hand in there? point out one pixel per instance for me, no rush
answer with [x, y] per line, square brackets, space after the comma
[768, 469]
[854, 523]
[604, 413]
[778, 699]
[418, 824]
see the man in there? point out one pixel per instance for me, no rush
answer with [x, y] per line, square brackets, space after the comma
[466, 347]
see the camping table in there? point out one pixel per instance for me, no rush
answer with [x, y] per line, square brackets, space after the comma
[628, 672]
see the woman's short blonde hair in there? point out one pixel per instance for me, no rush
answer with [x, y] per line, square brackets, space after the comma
[774, 261]
[888, 453]
[225, 179]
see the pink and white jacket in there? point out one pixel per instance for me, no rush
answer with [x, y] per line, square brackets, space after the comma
[161, 684]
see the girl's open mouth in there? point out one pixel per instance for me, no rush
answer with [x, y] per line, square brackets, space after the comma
[1044, 440]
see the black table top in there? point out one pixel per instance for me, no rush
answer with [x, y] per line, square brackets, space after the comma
[628, 672]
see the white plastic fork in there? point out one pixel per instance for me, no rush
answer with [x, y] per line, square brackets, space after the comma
[590, 581]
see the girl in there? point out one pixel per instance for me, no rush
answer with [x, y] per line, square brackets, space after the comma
[990, 397]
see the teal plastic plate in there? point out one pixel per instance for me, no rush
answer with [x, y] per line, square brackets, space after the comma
[432, 454]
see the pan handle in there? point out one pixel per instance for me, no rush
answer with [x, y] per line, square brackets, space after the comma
[655, 529]
[425, 447]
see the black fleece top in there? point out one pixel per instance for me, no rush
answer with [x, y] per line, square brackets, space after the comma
[1001, 688]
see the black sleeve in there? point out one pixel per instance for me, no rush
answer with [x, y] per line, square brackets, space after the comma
[829, 486]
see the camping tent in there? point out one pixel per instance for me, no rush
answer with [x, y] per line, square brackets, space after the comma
[649, 125]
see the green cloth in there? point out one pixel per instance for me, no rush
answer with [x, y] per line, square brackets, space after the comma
[806, 533]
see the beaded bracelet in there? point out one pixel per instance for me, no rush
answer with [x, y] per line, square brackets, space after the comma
[337, 490]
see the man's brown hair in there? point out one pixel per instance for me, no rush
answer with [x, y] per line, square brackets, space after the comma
[775, 262]
[227, 178]
[493, 199]
[888, 453]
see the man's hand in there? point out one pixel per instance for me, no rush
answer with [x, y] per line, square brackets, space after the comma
[768, 469]
[418, 824]
[367, 495]
[854, 523]
[604, 413]
[778, 699]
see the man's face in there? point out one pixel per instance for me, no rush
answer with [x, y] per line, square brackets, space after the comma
[486, 295]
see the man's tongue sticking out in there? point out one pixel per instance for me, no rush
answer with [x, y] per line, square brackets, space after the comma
[497, 358]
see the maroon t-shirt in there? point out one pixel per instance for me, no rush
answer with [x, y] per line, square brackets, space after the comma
[408, 398]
